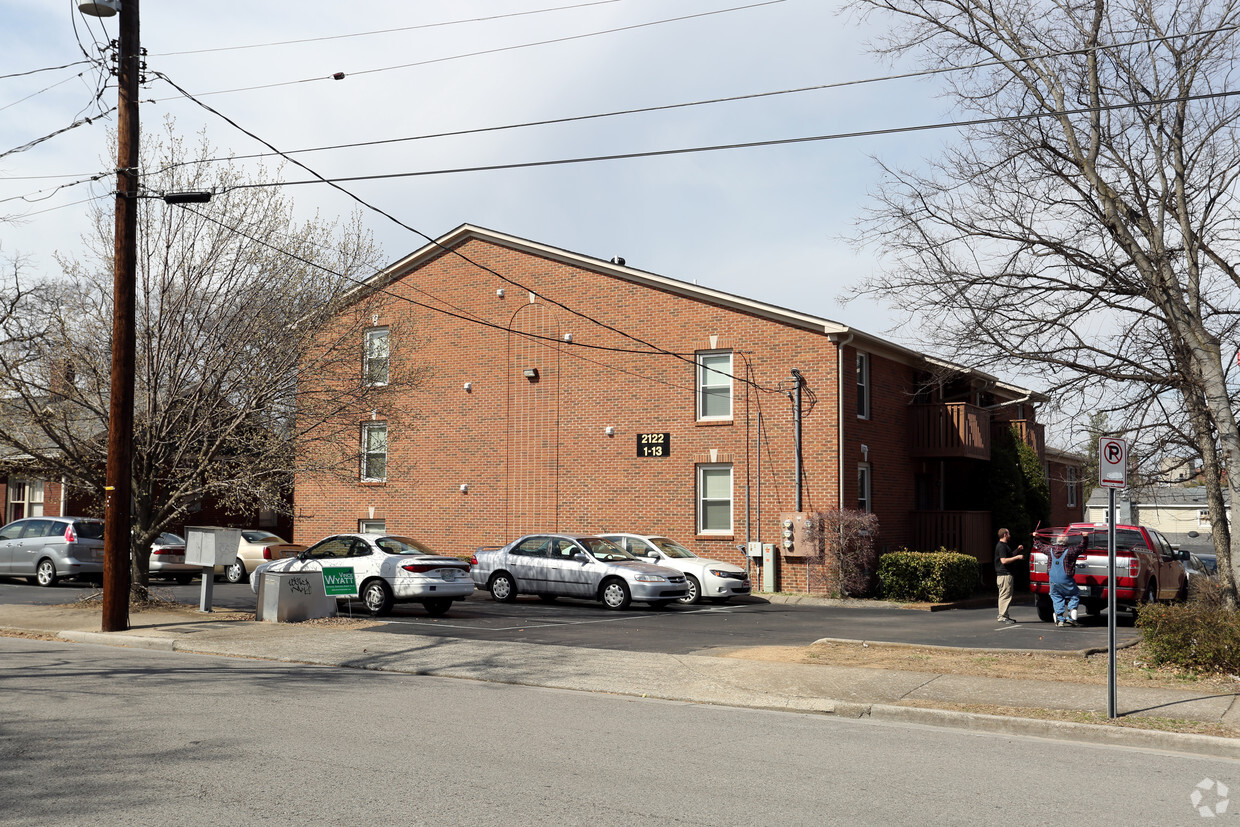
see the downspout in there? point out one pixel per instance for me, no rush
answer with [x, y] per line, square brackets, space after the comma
[840, 344]
[796, 429]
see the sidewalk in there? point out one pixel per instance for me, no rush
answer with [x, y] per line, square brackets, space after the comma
[889, 695]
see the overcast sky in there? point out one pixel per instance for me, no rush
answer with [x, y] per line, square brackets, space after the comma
[766, 222]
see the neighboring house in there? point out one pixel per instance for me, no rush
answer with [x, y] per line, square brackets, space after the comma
[1180, 513]
[539, 413]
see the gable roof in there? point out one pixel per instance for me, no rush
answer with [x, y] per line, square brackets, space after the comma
[836, 331]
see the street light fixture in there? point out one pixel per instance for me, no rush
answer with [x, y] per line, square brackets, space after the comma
[103, 8]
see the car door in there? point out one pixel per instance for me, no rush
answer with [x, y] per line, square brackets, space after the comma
[331, 553]
[569, 570]
[1170, 569]
[10, 540]
[528, 563]
[35, 540]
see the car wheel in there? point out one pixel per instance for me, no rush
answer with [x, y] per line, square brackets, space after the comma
[184, 579]
[503, 588]
[615, 595]
[378, 597]
[694, 588]
[235, 573]
[1046, 612]
[1151, 593]
[437, 607]
[1182, 595]
[45, 574]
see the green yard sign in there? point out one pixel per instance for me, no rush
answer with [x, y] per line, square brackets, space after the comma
[339, 581]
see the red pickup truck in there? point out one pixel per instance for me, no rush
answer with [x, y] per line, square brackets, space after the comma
[1147, 567]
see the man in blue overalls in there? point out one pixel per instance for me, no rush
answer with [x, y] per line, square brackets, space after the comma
[1061, 564]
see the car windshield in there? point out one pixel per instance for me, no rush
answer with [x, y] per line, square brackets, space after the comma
[604, 550]
[89, 530]
[670, 547]
[402, 545]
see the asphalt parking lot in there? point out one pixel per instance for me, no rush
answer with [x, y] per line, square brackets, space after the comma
[745, 622]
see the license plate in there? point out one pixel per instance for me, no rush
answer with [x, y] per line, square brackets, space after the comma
[449, 574]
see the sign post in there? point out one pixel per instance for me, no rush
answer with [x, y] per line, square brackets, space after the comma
[1113, 474]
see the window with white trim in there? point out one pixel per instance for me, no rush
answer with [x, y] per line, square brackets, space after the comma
[714, 385]
[371, 526]
[1072, 485]
[863, 385]
[865, 503]
[714, 499]
[374, 452]
[25, 499]
[375, 360]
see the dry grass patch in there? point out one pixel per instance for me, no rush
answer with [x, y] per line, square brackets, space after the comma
[1132, 667]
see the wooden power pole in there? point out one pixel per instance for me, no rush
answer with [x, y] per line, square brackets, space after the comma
[118, 493]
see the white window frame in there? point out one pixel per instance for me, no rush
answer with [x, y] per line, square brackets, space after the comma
[863, 385]
[372, 526]
[367, 429]
[1072, 485]
[702, 500]
[29, 498]
[865, 488]
[370, 359]
[721, 379]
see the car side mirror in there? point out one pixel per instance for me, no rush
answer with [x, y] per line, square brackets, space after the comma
[303, 555]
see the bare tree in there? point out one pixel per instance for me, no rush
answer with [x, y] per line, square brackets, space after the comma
[1085, 227]
[237, 308]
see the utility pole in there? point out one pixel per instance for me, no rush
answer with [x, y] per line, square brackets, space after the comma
[118, 490]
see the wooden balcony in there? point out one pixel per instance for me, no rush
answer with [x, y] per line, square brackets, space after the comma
[954, 429]
[967, 532]
[1032, 434]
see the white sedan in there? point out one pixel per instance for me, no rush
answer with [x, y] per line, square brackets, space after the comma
[386, 569]
[711, 579]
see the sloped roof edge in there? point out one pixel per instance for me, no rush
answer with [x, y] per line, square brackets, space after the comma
[782, 315]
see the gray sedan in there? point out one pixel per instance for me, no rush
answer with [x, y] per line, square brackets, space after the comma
[45, 549]
[572, 565]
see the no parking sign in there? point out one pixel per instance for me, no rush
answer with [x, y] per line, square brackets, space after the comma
[1112, 462]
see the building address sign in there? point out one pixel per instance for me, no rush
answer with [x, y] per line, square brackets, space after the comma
[654, 445]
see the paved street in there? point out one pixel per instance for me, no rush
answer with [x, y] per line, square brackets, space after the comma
[676, 629]
[110, 736]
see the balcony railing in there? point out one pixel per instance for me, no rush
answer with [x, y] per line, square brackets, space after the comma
[1032, 434]
[965, 531]
[954, 429]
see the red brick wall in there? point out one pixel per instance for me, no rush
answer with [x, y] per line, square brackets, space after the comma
[1061, 513]
[535, 455]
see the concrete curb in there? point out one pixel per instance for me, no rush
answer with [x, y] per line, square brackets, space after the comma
[162, 644]
[874, 644]
[1190, 743]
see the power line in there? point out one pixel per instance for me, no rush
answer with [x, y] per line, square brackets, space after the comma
[687, 104]
[869, 133]
[436, 242]
[45, 69]
[497, 50]
[385, 31]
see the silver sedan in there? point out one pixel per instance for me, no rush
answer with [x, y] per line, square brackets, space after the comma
[574, 565]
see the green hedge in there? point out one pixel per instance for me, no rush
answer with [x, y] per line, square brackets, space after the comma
[930, 577]
[1194, 635]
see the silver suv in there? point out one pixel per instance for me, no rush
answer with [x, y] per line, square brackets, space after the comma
[45, 549]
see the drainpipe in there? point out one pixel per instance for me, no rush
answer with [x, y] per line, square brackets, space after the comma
[840, 343]
[796, 423]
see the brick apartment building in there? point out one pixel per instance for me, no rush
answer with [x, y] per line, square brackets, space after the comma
[564, 392]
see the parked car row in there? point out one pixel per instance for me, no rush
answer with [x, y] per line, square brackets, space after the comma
[614, 569]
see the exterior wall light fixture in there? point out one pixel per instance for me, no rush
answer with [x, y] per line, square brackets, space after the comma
[464, 488]
[609, 430]
[469, 387]
[531, 374]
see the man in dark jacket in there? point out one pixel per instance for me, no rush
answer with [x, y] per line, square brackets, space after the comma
[1004, 556]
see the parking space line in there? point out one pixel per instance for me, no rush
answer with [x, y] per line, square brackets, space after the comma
[546, 622]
